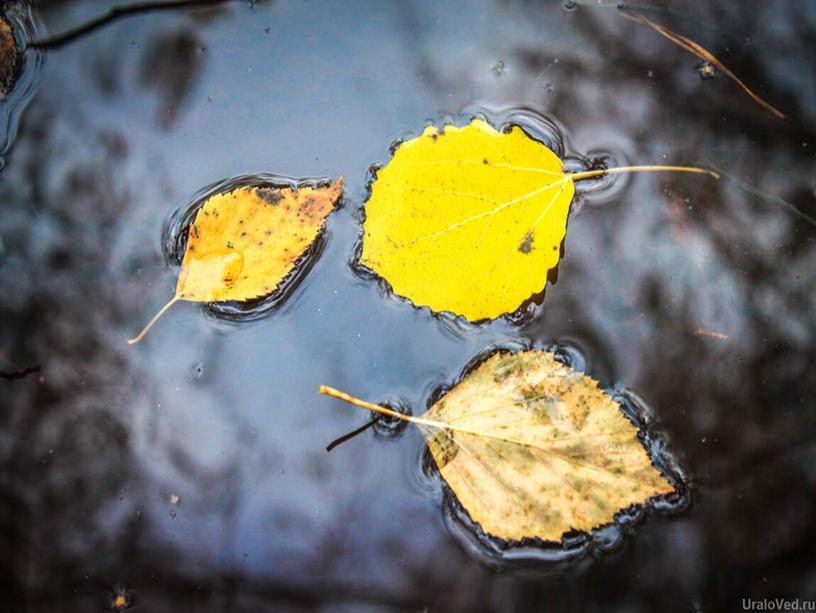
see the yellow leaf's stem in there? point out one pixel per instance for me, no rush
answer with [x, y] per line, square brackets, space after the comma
[149, 325]
[577, 176]
[334, 393]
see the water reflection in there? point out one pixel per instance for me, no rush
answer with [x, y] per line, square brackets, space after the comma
[130, 123]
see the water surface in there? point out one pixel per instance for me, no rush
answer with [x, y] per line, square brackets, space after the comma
[694, 295]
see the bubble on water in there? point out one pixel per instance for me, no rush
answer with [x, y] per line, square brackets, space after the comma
[174, 241]
[707, 70]
[197, 371]
[120, 599]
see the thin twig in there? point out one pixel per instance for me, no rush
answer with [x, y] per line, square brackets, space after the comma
[113, 14]
[694, 48]
[19, 374]
[350, 435]
[754, 191]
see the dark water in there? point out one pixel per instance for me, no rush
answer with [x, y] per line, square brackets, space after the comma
[696, 296]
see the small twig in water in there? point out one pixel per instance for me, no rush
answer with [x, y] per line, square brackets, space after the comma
[113, 14]
[19, 374]
[350, 435]
[692, 47]
[711, 333]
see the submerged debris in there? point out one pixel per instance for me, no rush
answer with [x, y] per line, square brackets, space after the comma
[20, 374]
[707, 70]
[710, 66]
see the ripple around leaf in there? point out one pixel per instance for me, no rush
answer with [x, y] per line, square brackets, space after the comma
[459, 315]
[175, 235]
[574, 546]
[27, 77]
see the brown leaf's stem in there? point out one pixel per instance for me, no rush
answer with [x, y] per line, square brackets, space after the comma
[149, 325]
[334, 393]
[330, 391]
[692, 47]
[577, 176]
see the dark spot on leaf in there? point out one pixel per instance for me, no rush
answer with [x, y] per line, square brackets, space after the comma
[443, 447]
[270, 195]
[229, 245]
[526, 245]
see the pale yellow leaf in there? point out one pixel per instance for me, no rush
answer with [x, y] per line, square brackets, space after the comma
[534, 449]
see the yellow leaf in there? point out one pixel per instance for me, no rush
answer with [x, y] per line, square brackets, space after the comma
[243, 244]
[532, 448]
[470, 220]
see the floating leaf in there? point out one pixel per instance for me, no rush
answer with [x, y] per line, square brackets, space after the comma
[8, 57]
[470, 220]
[534, 449]
[244, 243]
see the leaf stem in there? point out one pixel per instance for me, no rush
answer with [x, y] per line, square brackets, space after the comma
[149, 325]
[588, 174]
[335, 393]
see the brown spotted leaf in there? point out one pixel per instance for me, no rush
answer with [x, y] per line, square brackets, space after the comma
[532, 448]
[8, 57]
[243, 244]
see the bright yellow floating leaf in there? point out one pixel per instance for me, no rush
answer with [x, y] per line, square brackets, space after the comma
[244, 243]
[532, 448]
[470, 220]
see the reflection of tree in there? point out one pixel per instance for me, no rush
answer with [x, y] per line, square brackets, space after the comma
[170, 65]
[641, 274]
[712, 256]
